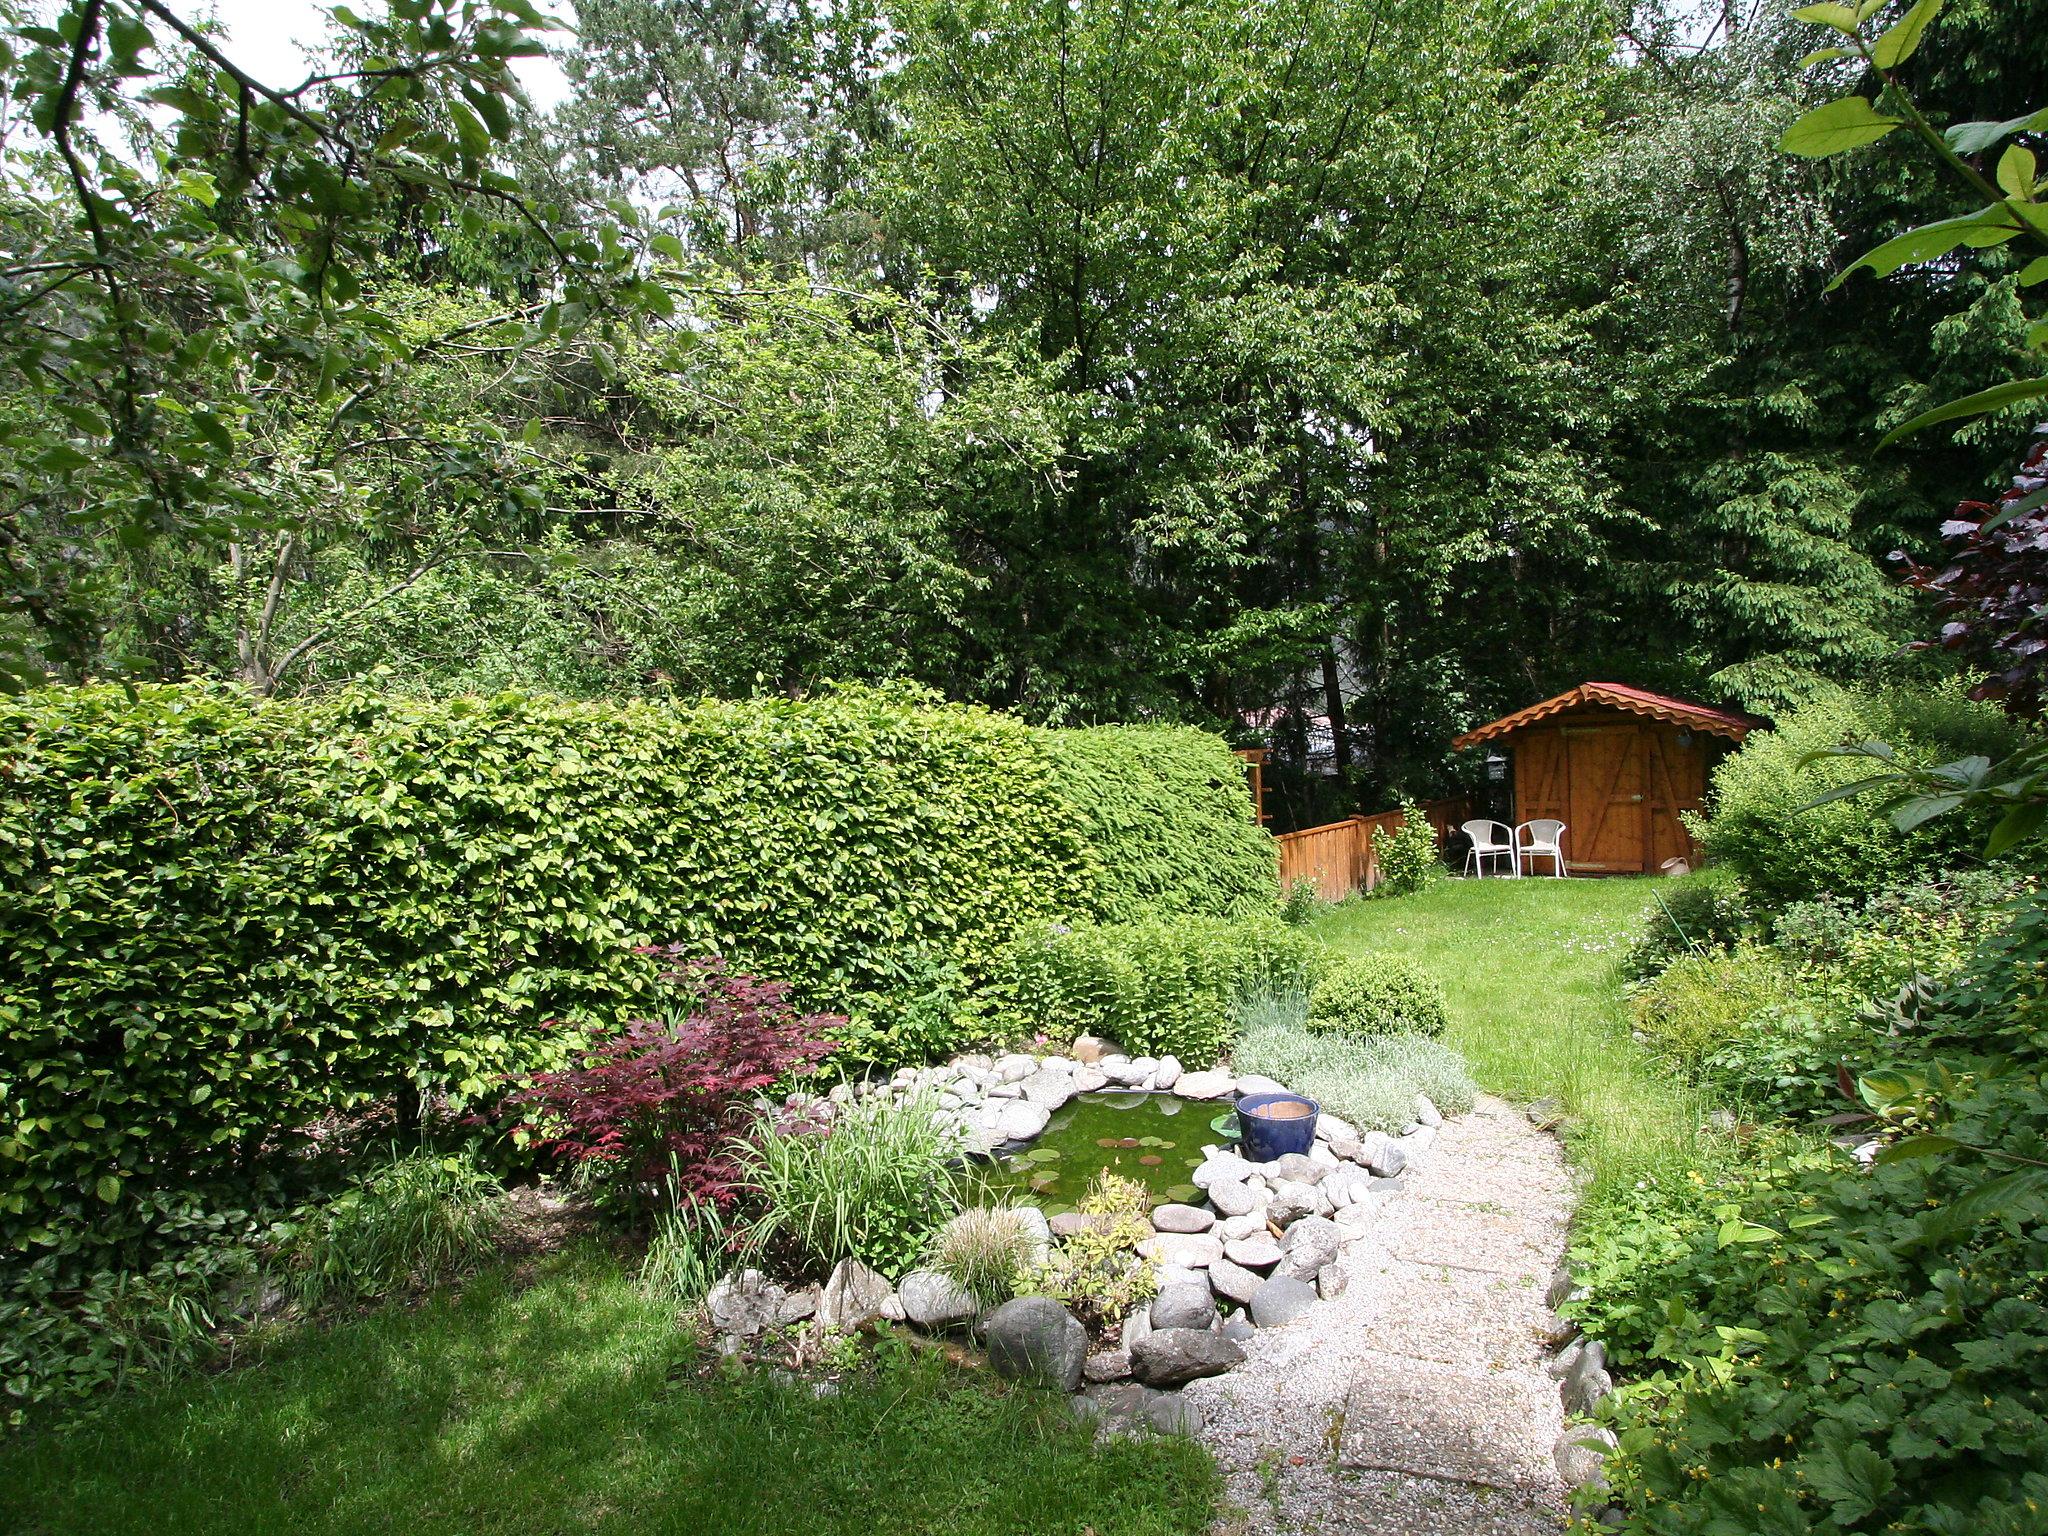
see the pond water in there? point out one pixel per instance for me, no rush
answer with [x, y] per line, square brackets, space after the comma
[1154, 1138]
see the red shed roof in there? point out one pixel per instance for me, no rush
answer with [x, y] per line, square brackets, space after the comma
[1636, 701]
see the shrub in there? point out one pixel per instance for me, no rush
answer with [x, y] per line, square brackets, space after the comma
[1860, 1349]
[1406, 857]
[985, 1252]
[1702, 1001]
[872, 1181]
[690, 1247]
[1166, 816]
[1763, 831]
[650, 1112]
[1095, 1271]
[221, 919]
[1372, 1083]
[1161, 987]
[1700, 914]
[418, 1220]
[1871, 948]
[1366, 995]
[1300, 903]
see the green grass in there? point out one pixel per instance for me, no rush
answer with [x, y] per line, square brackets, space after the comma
[575, 1404]
[1528, 969]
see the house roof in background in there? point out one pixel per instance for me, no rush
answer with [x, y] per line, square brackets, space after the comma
[1635, 701]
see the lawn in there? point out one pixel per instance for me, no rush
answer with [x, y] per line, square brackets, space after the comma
[1529, 970]
[573, 1404]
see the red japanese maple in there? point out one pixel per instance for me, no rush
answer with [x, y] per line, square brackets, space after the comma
[659, 1102]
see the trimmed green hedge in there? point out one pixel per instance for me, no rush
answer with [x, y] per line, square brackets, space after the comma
[1166, 808]
[220, 920]
[1161, 987]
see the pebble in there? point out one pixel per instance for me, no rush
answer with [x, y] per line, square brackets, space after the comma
[1181, 1218]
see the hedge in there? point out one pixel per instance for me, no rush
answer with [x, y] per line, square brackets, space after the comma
[220, 920]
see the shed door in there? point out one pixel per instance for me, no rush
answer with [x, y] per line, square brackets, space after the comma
[1608, 822]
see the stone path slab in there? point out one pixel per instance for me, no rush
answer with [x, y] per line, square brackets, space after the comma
[1415, 1403]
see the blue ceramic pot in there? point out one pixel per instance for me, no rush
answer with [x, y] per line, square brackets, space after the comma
[1263, 1136]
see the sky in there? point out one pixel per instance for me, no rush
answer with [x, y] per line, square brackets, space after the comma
[269, 38]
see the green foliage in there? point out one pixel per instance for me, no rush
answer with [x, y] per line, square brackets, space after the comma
[1821, 1349]
[1168, 811]
[1701, 1001]
[689, 1248]
[1706, 911]
[418, 1220]
[1095, 1271]
[871, 1181]
[1406, 857]
[224, 920]
[1163, 987]
[1766, 830]
[985, 1252]
[1370, 1082]
[1925, 929]
[1366, 995]
[1300, 903]
[66, 1340]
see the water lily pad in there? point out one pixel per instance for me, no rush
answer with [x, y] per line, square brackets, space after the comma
[1151, 1159]
[1225, 1124]
[1042, 1155]
[1108, 1141]
[1128, 1141]
[1152, 1141]
[1041, 1182]
[1184, 1194]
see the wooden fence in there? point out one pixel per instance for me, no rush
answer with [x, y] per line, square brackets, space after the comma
[1339, 858]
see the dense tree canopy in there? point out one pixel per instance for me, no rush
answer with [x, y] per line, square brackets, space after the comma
[1391, 362]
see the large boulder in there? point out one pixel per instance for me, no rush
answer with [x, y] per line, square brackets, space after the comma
[1181, 1218]
[1281, 1299]
[1219, 1166]
[933, 1301]
[1167, 1073]
[1294, 1166]
[1232, 1197]
[1257, 1251]
[1233, 1281]
[853, 1295]
[1092, 1048]
[1020, 1119]
[1293, 1200]
[1185, 1250]
[1188, 1305]
[1309, 1244]
[1034, 1338]
[1202, 1085]
[1048, 1088]
[1173, 1357]
[745, 1303]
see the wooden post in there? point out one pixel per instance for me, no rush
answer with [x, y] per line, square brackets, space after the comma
[1255, 760]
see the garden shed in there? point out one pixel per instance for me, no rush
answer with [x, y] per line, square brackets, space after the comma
[1617, 765]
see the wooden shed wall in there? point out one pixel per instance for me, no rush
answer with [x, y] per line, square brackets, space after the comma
[1617, 780]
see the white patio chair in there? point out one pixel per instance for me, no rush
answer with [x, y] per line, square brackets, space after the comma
[1485, 845]
[1542, 838]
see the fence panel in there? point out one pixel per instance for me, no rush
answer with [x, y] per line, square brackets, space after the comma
[1338, 856]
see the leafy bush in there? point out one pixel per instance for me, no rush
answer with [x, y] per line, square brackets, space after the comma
[1702, 1001]
[985, 1252]
[690, 1247]
[64, 1341]
[1166, 815]
[1927, 929]
[873, 1181]
[649, 1113]
[418, 1220]
[1787, 1060]
[1842, 1349]
[1366, 995]
[1161, 987]
[1300, 903]
[316, 903]
[1784, 852]
[1371, 1082]
[1406, 857]
[1095, 1271]
[1702, 913]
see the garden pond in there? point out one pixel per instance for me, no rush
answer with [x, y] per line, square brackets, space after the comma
[1153, 1138]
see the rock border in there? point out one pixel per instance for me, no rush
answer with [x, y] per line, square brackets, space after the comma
[1259, 1251]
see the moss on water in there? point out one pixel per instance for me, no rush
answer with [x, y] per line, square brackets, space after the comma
[1152, 1138]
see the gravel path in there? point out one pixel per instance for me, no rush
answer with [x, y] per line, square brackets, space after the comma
[1415, 1403]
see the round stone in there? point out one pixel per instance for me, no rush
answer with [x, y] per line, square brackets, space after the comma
[1181, 1218]
[1258, 1251]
